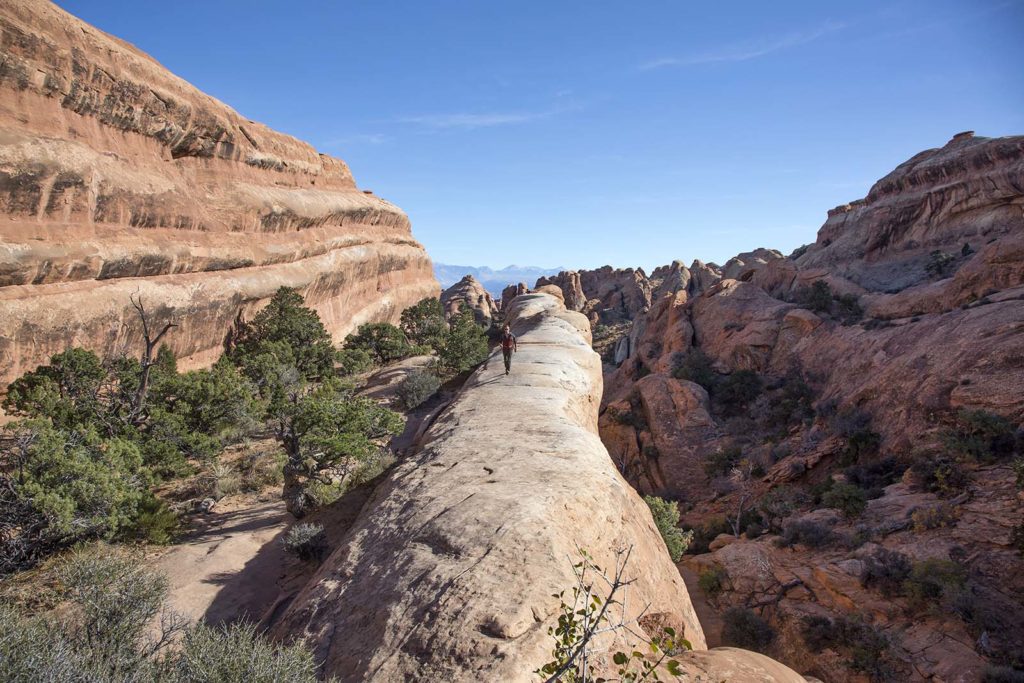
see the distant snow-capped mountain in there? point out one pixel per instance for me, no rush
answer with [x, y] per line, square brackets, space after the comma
[493, 280]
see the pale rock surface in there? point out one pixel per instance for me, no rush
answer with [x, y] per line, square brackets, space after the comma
[448, 574]
[118, 177]
[469, 295]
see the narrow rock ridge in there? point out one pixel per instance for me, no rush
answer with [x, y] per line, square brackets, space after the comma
[450, 570]
[118, 177]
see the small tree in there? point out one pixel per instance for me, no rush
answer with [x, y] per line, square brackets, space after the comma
[847, 498]
[465, 345]
[424, 323]
[326, 431]
[666, 518]
[291, 332]
[417, 388]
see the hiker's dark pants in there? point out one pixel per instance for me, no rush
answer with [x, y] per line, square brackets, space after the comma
[508, 358]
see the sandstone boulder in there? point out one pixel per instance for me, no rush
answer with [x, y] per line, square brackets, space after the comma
[469, 295]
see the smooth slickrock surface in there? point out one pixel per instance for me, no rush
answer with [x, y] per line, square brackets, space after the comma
[117, 177]
[449, 572]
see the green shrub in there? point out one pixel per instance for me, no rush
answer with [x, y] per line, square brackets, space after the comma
[102, 634]
[354, 361]
[938, 264]
[806, 532]
[791, 405]
[817, 297]
[981, 436]
[705, 533]
[156, 522]
[779, 503]
[860, 445]
[262, 470]
[384, 342]
[887, 571]
[424, 323]
[735, 391]
[1002, 674]
[666, 518]
[306, 541]
[696, 367]
[931, 580]
[939, 474]
[416, 388]
[932, 517]
[1017, 539]
[873, 477]
[712, 580]
[233, 653]
[722, 461]
[746, 629]
[847, 498]
[1018, 472]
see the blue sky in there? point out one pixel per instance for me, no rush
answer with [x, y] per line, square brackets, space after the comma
[578, 133]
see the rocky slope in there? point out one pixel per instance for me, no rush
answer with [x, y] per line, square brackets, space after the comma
[855, 358]
[117, 178]
[450, 570]
[469, 295]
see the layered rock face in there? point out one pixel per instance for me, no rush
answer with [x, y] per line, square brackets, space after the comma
[922, 318]
[118, 178]
[450, 570]
[469, 295]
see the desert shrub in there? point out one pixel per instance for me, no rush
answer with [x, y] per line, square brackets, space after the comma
[1018, 472]
[933, 517]
[873, 477]
[931, 580]
[223, 480]
[817, 297]
[416, 388]
[696, 367]
[981, 436]
[464, 346]
[860, 445]
[354, 361]
[886, 570]
[371, 468]
[847, 498]
[705, 533]
[712, 580]
[939, 474]
[799, 251]
[666, 518]
[734, 392]
[156, 522]
[806, 532]
[1002, 674]
[779, 503]
[745, 628]
[261, 470]
[306, 541]
[791, 404]
[722, 461]
[290, 332]
[57, 489]
[384, 342]
[848, 308]
[938, 264]
[867, 647]
[102, 635]
[633, 416]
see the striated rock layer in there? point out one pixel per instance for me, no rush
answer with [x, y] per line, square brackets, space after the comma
[450, 571]
[117, 177]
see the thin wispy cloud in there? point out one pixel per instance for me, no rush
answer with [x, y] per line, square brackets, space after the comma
[741, 52]
[359, 139]
[469, 121]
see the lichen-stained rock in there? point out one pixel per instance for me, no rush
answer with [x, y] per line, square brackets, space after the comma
[118, 177]
[469, 295]
[449, 573]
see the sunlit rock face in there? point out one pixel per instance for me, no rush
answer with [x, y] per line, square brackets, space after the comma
[119, 178]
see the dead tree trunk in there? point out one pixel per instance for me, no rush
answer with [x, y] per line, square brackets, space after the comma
[147, 362]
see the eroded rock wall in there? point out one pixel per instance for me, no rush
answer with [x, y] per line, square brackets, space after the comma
[117, 177]
[450, 571]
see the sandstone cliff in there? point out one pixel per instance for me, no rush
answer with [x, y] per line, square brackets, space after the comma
[448, 573]
[907, 310]
[117, 177]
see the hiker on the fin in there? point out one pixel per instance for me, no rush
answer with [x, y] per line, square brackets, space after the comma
[508, 346]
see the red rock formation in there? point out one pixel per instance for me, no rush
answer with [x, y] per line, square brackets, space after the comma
[117, 177]
[935, 258]
[469, 295]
